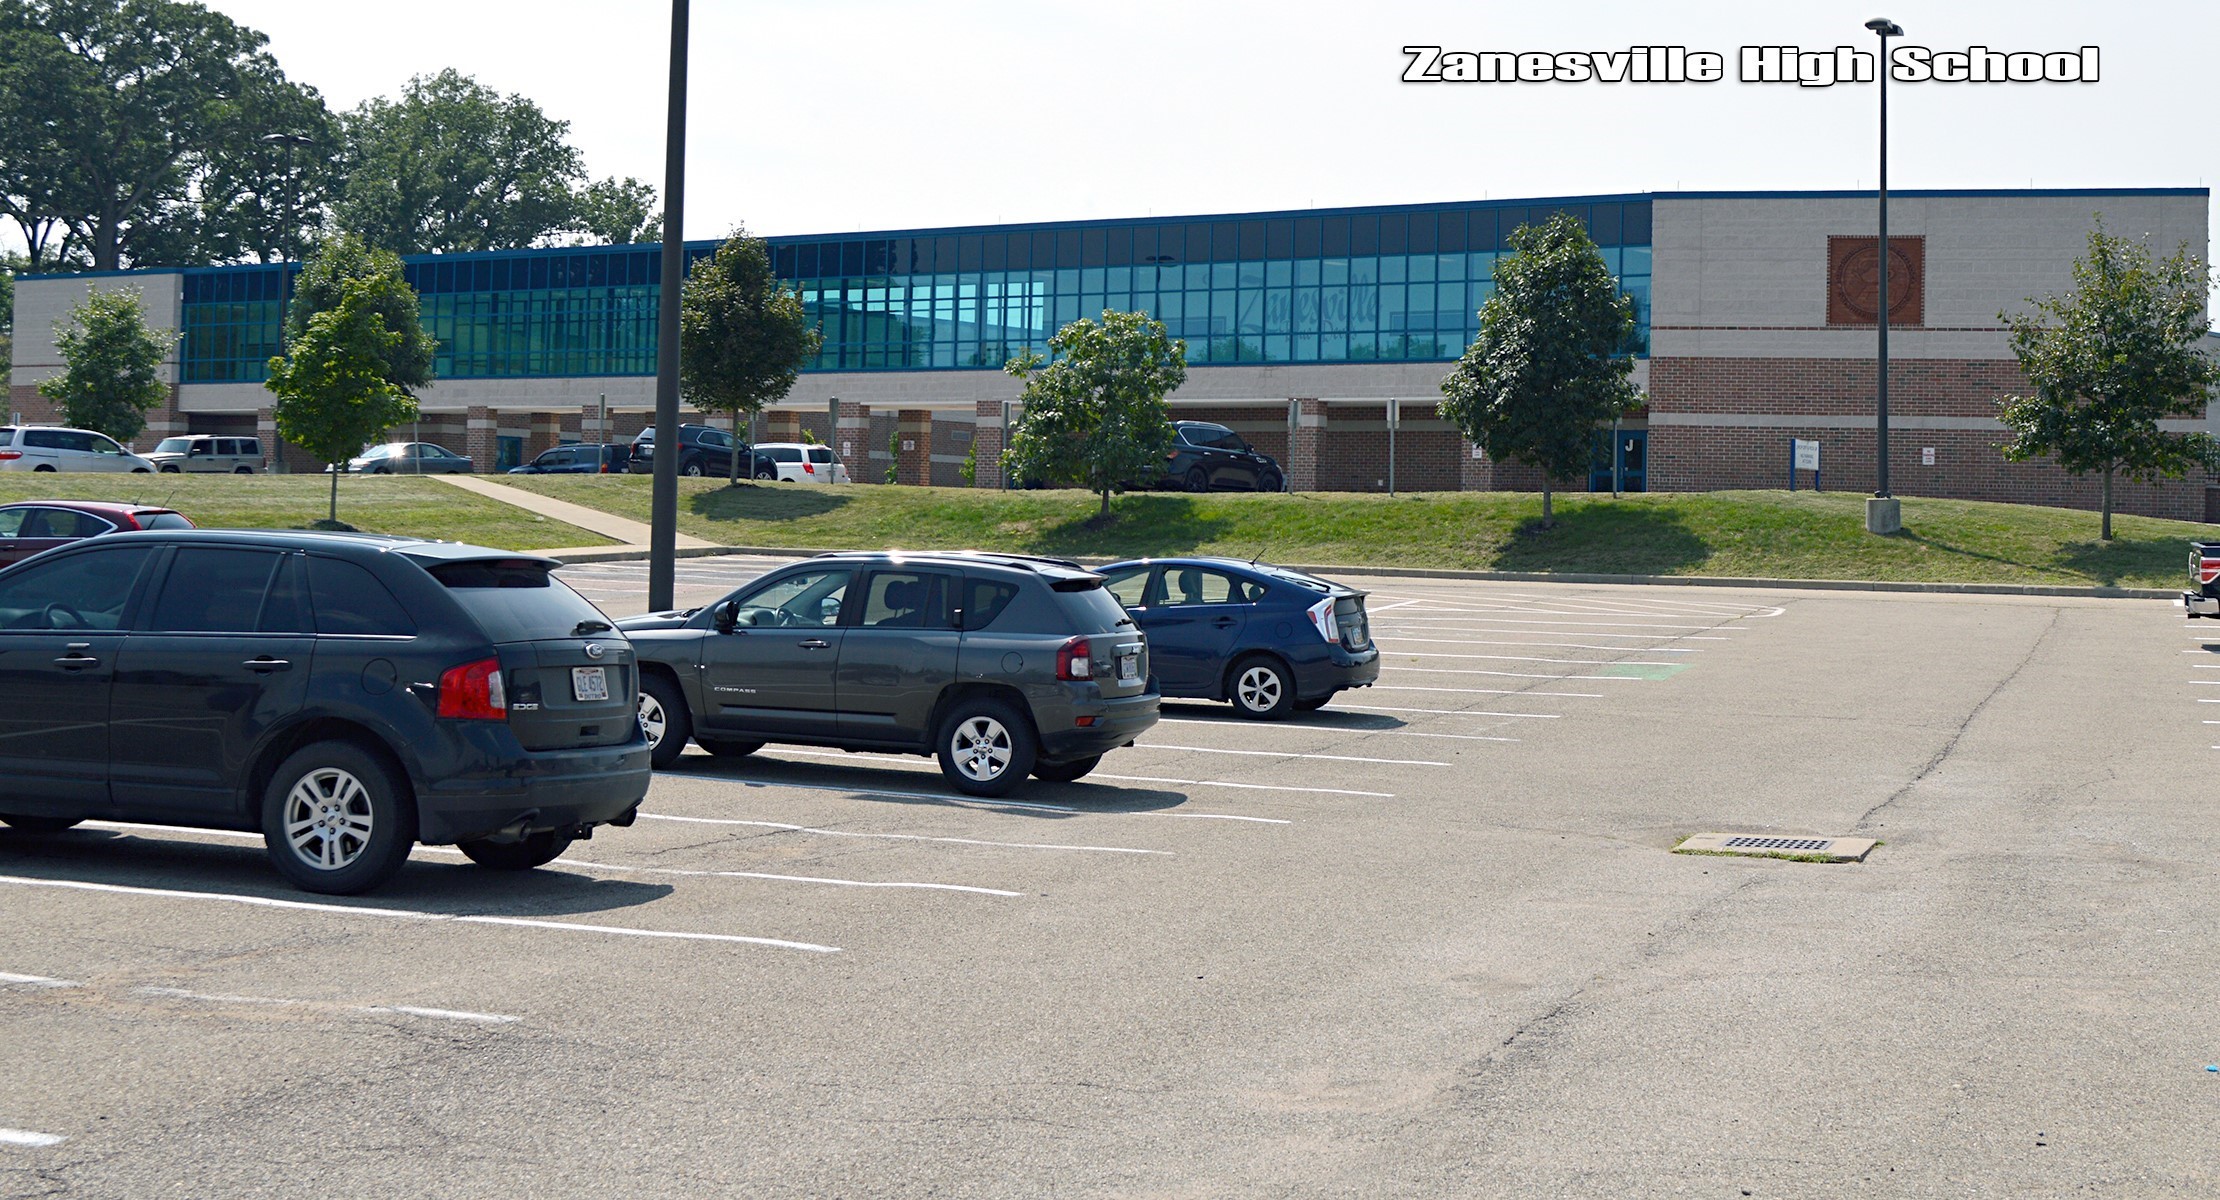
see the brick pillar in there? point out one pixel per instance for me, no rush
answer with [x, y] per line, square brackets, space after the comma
[1474, 472]
[589, 424]
[913, 447]
[852, 441]
[265, 427]
[481, 438]
[986, 444]
[547, 431]
[782, 425]
[1305, 443]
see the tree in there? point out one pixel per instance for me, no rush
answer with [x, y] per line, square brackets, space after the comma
[618, 212]
[126, 124]
[2108, 361]
[1096, 413]
[323, 283]
[455, 165]
[113, 359]
[1551, 362]
[742, 335]
[333, 394]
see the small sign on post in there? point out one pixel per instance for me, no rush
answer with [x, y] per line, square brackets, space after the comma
[1803, 456]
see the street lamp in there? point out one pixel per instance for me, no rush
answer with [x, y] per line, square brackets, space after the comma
[1882, 513]
[663, 490]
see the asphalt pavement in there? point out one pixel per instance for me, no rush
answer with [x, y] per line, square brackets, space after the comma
[1430, 941]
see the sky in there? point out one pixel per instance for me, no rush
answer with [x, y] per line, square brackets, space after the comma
[827, 116]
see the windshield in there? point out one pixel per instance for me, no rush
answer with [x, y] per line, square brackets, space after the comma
[378, 452]
[172, 445]
[519, 601]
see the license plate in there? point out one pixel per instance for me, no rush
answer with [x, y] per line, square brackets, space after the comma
[1129, 667]
[589, 683]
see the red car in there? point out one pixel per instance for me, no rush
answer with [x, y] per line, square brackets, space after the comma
[28, 527]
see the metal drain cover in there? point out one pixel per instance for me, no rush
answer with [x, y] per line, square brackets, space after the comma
[1772, 846]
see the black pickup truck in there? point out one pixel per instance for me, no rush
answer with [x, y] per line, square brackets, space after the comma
[2204, 569]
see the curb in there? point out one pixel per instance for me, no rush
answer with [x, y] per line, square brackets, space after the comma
[632, 554]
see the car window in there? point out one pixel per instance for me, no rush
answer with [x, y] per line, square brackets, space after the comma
[200, 447]
[7, 435]
[163, 520]
[251, 447]
[807, 598]
[1130, 586]
[11, 520]
[100, 444]
[228, 446]
[519, 600]
[984, 600]
[286, 609]
[43, 439]
[80, 591]
[212, 590]
[350, 600]
[907, 600]
[717, 438]
[785, 454]
[175, 445]
[820, 454]
[48, 523]
[1200, 585]
[68, 522]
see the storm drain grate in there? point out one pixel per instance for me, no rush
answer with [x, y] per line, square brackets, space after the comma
[1760, 845]
[1792, 845]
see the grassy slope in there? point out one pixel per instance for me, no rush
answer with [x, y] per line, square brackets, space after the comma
[1774, 534]
[417, 507]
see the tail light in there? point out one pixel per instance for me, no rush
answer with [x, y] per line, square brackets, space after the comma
[10, 455]
[1075, 660]
[1321, 617]
[474, 692]
[808, 468]
[2208, 569]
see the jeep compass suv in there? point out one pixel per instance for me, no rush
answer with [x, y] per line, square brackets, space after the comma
[999, 665]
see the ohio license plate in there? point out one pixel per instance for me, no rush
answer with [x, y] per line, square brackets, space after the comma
[1129, 667]
[589, 683]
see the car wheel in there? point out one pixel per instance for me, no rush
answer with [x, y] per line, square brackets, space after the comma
[532, 850]
[986, 748]
[724, 748]
[1065, 772]
[1261, 689]
[1271, 481]
[31, 824]
[691, 468]
[243, 471]
[766, 473]
[140, 471]
[1198, 480]
[663, 717]
[172, 471]
[335, 821]
[1313, 704]
[42, 467]
[382, 471]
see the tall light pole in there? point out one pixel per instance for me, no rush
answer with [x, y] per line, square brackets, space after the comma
[1884, 515]
[663, 503]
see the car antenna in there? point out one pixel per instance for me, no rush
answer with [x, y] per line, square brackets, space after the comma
[1259, 554]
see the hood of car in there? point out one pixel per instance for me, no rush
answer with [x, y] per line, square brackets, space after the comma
[648, 622]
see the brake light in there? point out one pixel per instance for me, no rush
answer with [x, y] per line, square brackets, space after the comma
[1075, 660]
[2208, 569]
[10, 455]
[474, 692]
[1321, 617]
[809, 468]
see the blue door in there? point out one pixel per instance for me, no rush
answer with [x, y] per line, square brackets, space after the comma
[1633, 450]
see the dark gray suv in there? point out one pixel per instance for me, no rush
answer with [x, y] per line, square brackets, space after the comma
[999, 665]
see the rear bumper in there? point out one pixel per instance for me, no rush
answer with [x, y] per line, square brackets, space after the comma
[1113, 723]
[2201, 605]
[546, 789]
[1339, 670]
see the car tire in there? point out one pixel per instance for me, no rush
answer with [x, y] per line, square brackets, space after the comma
[1271, 481]
[690, 468]
[663, 717]
[140, 471]
[1261, 688]
[1313, 704]
[1065, 772]
[243, 471]
[32, 824]
[381, 471]
[532, 850]
[726, 748]
[1198, 480]
[42, 467]
[763, 473]
[172, 471]
[336, 819]
[986, 747]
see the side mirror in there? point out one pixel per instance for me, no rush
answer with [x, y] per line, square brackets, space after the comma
[725, 616]
[828, 610]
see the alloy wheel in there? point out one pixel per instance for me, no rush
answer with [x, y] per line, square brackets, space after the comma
[328, 821]
[653, 720]
[982, 749]
[1259, 689]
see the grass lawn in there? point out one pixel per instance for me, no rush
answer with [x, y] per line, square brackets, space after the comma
[373, 504]
[1800, 535]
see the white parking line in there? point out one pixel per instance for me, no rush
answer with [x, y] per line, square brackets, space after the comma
[407, 1010]
[1570, 662]
[899, 837]
[1650, 637]
[1396, 762]
[1350, 729]
[1454, 712]
[1620, 624]
[1252, 787]
[24, 1137]
[975, 801]
[1516, 675]
[403, 914]
[854, 883]
[1439, 641]
[37, 981]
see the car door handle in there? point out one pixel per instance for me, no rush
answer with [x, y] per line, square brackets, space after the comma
[1225, 622]
[265, 665]
[77, 657]
[816, 644]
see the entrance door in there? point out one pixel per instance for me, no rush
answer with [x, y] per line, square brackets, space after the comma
[1633, 455]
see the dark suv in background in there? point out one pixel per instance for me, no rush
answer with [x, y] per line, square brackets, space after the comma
[347, 696]
[1206, 457]
[702, 450]
[999, 665]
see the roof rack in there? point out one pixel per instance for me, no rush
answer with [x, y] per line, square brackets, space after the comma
[994, 555]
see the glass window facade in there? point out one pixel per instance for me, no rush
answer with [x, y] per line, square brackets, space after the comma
[1397, 284]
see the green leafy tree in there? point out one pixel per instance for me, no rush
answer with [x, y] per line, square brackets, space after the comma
[127, 125]
[1095, 415]
[618, 212]
[2108, 361]
[894, 456]
[113, 361]
[324, 282]
[742, 335]
[333, 394]
[1550, 364]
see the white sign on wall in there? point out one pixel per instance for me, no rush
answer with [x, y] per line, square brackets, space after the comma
[1807, 454]
[1927, 456]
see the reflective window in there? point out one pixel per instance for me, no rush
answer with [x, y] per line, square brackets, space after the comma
[907, 600]
[80, 591]
[806, 598]
[1130, 586]
[212, 591]
[350, 600]
[1200, 585]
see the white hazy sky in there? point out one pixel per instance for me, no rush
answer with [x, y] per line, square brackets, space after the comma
[837, 115]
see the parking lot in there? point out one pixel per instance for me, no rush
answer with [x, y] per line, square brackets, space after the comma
[1427, 941]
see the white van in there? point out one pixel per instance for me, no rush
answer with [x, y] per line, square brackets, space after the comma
[50, 448]
[205, 453]
[803, 462]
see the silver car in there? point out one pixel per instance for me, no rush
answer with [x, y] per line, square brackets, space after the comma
[202, 453]
[410, 458]
[52, 448]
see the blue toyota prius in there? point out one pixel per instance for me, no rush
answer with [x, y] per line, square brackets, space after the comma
[1271, 640]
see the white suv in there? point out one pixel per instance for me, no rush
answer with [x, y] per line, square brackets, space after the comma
[49, 448]
[803, 462]
[202, 453]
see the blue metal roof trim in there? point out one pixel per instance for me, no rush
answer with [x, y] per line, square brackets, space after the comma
[1933, 193]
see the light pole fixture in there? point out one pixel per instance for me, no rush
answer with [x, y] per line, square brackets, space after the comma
[663, 491]
[1885, 517]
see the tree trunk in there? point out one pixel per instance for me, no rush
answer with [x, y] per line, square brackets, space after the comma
[1105, 515]
[2107, 534]
[335, 493]
[732, 469]
[1547, 519]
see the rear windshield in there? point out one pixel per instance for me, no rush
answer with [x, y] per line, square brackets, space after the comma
[1297, 578]
[1090, 607]
[7, 435]
[517, 601]
[163, 520]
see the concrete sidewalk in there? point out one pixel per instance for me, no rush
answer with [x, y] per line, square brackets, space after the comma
[631, 535]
